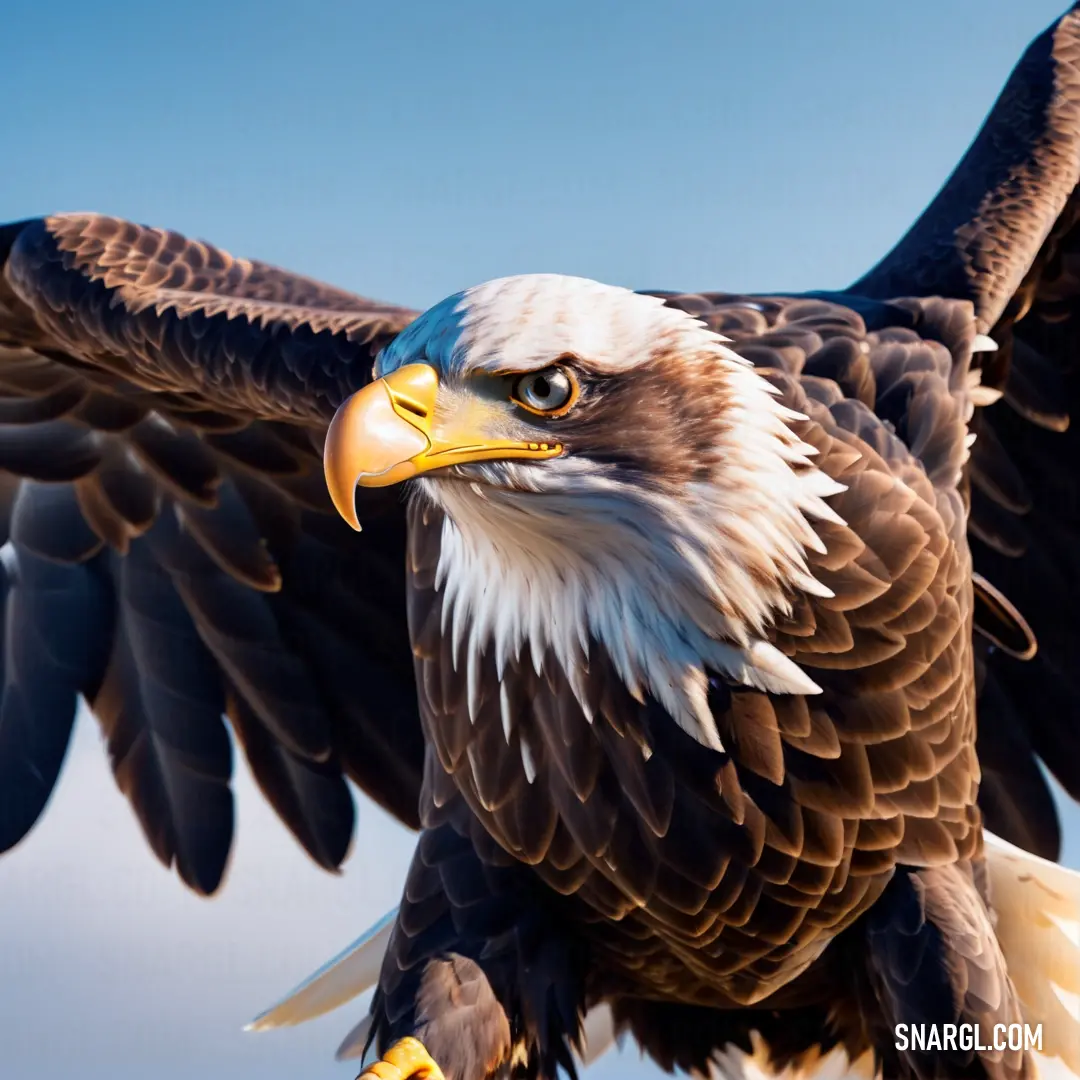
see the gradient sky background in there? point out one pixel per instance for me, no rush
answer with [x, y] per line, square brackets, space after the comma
[407, 150]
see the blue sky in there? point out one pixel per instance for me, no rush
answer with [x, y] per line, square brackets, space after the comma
[407, 150]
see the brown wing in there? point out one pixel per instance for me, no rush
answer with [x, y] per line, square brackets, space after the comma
[170, 552]
[1004, 234]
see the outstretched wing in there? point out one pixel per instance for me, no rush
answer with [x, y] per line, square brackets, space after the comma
[169, 549]
[1004, 234]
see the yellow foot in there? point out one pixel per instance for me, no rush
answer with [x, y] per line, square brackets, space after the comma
[405, 1060]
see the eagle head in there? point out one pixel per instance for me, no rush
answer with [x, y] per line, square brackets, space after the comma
[608, 470]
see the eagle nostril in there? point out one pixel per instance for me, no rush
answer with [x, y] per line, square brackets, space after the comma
[411, 407]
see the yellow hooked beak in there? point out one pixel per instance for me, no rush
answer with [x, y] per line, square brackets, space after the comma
[388, 432]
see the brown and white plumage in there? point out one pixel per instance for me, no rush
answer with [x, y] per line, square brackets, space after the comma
[701, 717]
[172, 552]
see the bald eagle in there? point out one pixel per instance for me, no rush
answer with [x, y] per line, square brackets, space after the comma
[711, 641]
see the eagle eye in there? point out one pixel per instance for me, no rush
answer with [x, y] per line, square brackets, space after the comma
[549, 392]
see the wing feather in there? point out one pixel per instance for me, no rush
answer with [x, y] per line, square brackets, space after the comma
[173, 554]
[160, 708]
[47, 662]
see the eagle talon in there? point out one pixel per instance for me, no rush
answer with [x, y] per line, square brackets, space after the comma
[405, 1060]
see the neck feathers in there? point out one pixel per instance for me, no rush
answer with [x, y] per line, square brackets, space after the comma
[673, 581]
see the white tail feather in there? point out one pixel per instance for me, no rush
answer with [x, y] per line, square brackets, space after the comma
[598, 1034]
[732, 1064]
[339, 980]
[1038, 925]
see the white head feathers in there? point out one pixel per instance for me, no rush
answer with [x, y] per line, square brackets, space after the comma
[672, 579]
